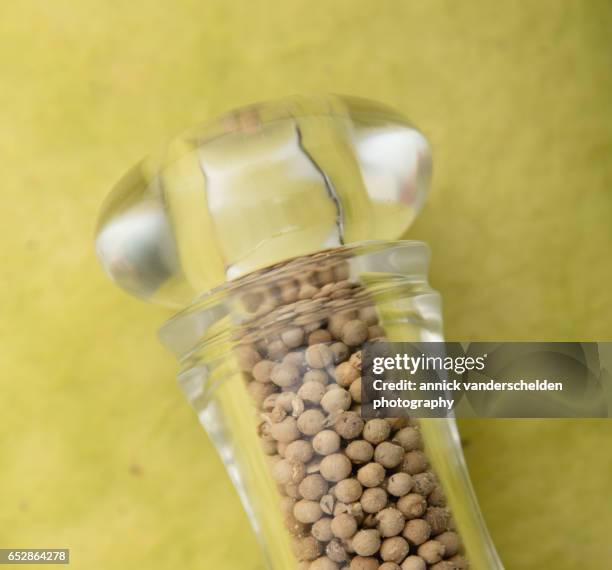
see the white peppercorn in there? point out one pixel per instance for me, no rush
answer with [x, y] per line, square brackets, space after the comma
[328, 504]
[424, 483]
[324, 563]
[341, 270]
[278, 414]
[388, 454]
[293, 337]
[444, 565]
[285, 374]
[437, 498]
[300, 450]
[394, 549]
[355, 390]
[409, 438]
[326, 442]
[270, 402]
[376, 431]
[373, 500]
[311, 422]
[371, 475]
[397, 423]
[311, 325]
[366, 542]
[357, 511]
[340, 508]
[285, 400]
[319, 336]
[399, 484]
[297, 406]
[262, 370]
[313, 487]
[417, 531]
[282, 448]
[338, 400]
[414, 462]
[360, 451]
[307, 512]
[325, 291]
[354, 332]
[285, 431]
[335, 467]
[325, 275]
[321, 530]
[312, 392]
[259, 392]
[319, 356]
[288, 471]
[315, 375]
[376, 332]
[368, 315]
[340, 350]
[431, 551]
[291, 490]
[412, 505]
[451, 542]
[414, 563]
[307, 548]
[247, 357]
[288, 291]
[335, 551]
[340, 292]
[345, 374]
[349, 425]
[364, 563]
[337, 321]
[438, 518]
[389, 566]
[344, 525]
[390, 522]
[277, 349]
[296, 358]
[348, 490]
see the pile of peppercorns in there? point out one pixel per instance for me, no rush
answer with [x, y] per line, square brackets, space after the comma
[356, 494]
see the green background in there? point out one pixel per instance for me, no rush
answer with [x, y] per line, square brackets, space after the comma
[98, 450]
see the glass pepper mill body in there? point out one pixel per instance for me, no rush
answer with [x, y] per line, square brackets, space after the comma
[270, 229]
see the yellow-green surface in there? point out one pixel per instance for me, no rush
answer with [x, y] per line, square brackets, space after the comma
[98, 451]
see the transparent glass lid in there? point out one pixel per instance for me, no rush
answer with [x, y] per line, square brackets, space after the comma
[257, 186]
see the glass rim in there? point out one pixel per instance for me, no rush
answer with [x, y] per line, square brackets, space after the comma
[211, 301]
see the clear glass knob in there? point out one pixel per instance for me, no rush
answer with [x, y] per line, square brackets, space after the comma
[257, 186]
